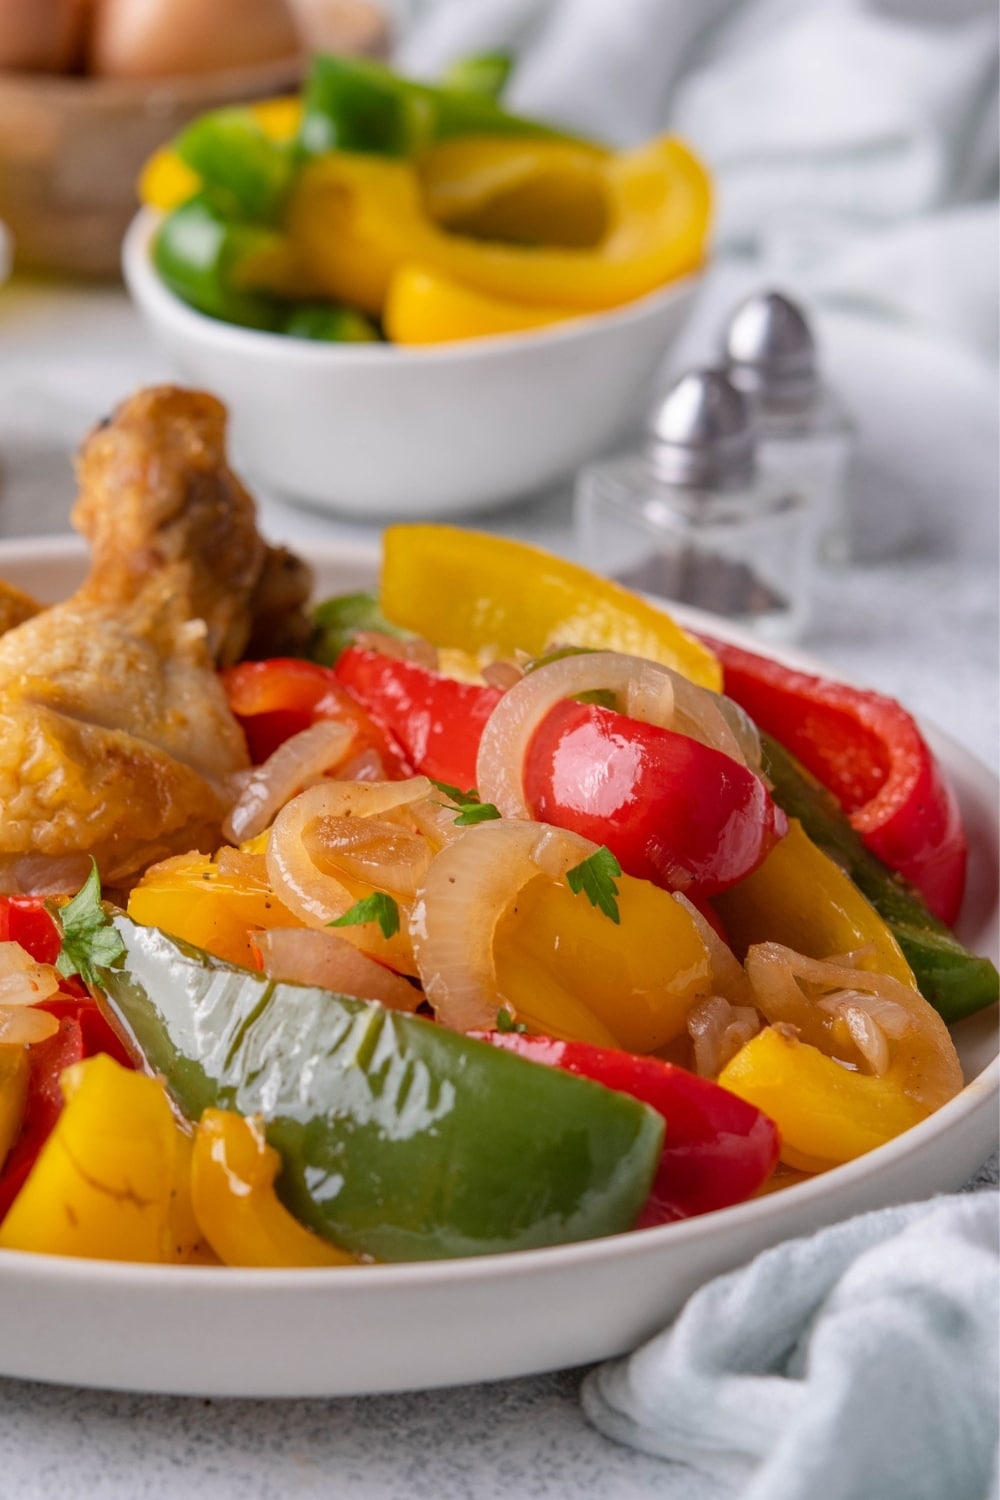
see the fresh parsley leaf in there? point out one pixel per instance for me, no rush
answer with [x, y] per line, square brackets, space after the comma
[378, 907]
[506, 1022]
[470, 808]
[90, 940]
[597, 878]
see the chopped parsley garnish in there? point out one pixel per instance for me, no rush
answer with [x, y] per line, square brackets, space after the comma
[470, 808]
[506, 1022]
[597, 878]
[90, 940]
[378, 907]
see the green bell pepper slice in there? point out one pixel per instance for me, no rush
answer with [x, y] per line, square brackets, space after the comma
[956, 982]
[326, 323]
[486, 74]
[355, 104]
[231, 153]
[400, 1139]
[201, 253]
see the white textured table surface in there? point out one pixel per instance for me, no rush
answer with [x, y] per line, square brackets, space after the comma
[917, 619]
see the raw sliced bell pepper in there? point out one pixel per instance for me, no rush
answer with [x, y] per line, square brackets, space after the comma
[825, 1113]
[868, 751]
[529, 192]
[423, 306]
[437, 720]
[237, 1210]
[166, 181]
[399, 1139]
[326, 324]
[229, 150]
[277, 698]
[205, 256]
[483, 73]
[102, 1184]
[718, 1150]
[672, 810]
[955, 981]
[357, 104]
[353, 220]
[800, 898]
[475, 591]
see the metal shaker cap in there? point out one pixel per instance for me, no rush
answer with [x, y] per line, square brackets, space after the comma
[701, 433]
[770, 351]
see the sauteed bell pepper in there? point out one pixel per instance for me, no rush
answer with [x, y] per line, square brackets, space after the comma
[869, 753]
[237, 1210]
[399, 1138]
[469, 590]
[275, 699]
[104, 1181]
[955, 981]
[717, 1151]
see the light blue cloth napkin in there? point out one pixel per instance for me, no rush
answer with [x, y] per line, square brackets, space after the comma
[860, 1363]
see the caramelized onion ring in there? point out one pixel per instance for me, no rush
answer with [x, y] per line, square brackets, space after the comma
[265, 790]
[470, 884]
[329, 961]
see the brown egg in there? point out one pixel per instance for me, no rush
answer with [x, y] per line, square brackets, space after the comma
[342, 25]
[156, 38]
[41, 36]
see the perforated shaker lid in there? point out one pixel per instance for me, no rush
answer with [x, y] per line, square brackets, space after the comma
[769, 349]
[701, 433]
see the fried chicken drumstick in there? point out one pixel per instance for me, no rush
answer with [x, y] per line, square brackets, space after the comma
[116, 740]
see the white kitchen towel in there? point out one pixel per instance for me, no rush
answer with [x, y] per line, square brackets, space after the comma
[860, 1363]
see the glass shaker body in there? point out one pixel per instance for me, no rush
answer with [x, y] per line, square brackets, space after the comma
[742, 551]
[807, 445]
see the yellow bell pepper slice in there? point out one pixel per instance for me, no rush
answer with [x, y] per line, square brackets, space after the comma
[14, 1069]
[425, 307]
[212, 908]
[532, 191]
[571, 972]
[353, 220]
[826, 1114]
[103, 1183]
[800, 898]
[475, 591]
[232, 1188]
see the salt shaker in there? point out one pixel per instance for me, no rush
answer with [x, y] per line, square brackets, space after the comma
[804, 436]
[689, 517]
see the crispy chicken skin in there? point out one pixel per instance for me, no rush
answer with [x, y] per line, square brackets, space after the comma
[116, 739]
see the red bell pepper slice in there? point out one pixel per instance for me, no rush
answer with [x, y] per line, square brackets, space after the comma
[718, 1150]
[670, 809]
[277, 698]
[24, 920]
[437, 720]
[867, 750]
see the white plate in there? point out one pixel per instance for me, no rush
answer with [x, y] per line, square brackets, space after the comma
[202, 1331]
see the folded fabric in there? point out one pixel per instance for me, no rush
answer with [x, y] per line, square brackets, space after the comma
[860, 1363]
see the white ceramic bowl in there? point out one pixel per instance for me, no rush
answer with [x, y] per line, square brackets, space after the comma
[380, 431]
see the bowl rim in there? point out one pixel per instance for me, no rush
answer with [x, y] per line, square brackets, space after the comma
[94, 90]
[153, 296]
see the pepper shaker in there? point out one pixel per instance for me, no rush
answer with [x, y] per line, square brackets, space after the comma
[804, 436]
[690, 517]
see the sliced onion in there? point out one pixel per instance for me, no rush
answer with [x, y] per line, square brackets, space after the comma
[718, 1030]
[43, 874]
[792, 989]
[374, 851]
[649, 691]
[329, 961]
[728, 977]
[24, 981]
[268, 787]
[23, 1026]
[470, 884]
[315, 895]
